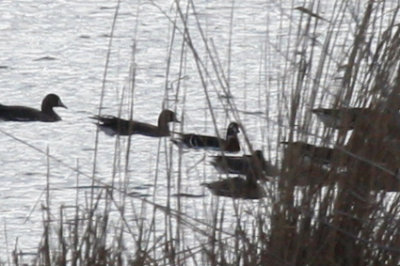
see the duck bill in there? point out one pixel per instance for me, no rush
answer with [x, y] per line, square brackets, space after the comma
[61, 104]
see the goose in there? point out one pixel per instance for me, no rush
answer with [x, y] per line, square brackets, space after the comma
[310, 153]
[195, 141]
[244, 165]
[236, 187]
[341, 118]
[112, 125]
[27, 114]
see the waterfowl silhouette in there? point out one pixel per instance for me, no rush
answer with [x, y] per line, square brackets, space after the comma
[341, 118]
[25, 114]
[310, 153]
[245, 165]
[236, 187]
[112, 125]
[230, 144]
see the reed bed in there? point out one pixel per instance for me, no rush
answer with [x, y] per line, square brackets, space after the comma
[312, 214]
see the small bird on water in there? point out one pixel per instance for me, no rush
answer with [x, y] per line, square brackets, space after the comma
[195, 141]
[27, 114]
[112, 125]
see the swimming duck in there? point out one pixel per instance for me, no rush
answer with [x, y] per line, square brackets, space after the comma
[244, 165]
[112, 125]
[230, 144]
[341, 118]
[236, 187]
[25, 114]
[311, 153]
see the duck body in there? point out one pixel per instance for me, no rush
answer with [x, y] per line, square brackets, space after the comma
[195, 141]
[310, 153]
[232, 164]
[236, 187]
[26, 114]
[112, 125]
[244, 165]
[340, 118]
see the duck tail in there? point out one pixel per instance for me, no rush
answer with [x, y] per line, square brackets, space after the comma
[207, 185]
[176, 141]
[96, 117]
[213, 162]
[105, 120]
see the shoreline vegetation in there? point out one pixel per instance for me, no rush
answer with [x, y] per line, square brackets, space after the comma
[336, 206]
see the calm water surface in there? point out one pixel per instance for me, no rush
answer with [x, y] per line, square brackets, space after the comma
[61, 47]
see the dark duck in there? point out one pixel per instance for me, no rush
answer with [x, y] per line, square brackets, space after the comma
[112, 125]
[195, 141]
[236, 187]
[309, 153]
[254, 164]
[26, 114]
[340, 118]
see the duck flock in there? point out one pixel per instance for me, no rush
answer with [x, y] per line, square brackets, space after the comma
[252, 168]
[365, 160]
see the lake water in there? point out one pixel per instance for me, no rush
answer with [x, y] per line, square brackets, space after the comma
[61, 47]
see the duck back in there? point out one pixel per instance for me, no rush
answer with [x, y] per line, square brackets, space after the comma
[112, 125]
[24, 114]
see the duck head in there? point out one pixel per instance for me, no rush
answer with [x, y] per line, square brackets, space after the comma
[259, 155]
[167, 116]
[233, 129]
[52, 100]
